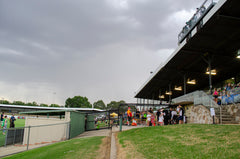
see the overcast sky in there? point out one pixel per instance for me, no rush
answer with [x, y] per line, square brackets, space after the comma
[102, 49]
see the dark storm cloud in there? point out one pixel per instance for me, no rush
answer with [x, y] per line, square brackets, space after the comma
[85, 47]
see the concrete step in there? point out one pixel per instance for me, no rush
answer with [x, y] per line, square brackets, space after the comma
[230, 122]
[226, 114]
[228, 119]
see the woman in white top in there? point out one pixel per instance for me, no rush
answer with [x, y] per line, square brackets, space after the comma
[148, 118]
[160, 121]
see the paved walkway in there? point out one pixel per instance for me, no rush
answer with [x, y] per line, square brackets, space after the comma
[12, 149]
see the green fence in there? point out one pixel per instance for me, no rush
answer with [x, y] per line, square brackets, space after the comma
[77, 124]
[90, 122]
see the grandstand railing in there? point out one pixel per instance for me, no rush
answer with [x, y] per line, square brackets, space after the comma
[201, 98]
[200, 13]
[198, 98]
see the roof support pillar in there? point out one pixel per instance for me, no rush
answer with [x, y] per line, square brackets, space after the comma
[184, 84]
[170, 93]
[144, 102]
[153, 99]
[210, 75]
[138, 102]
[147, 103]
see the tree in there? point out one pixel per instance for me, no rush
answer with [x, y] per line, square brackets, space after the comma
[43, 105]
[54, 105]
[32, 104]
[78, 102]
[18, 103]
[4, 102]
[114, 104]
[99, 105]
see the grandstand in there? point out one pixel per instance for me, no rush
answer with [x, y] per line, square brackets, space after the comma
[207, 54]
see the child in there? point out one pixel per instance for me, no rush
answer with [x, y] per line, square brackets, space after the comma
[160, 121]
[148, 119]
[4, 124]
[134, 122]
[152, 119]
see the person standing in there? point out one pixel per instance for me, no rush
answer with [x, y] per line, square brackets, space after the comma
[160, 119]
[150, 110]
[12, 119]
[165, 118]
[180, 112]
[158, 114]
[152, 119]
[4, 124]
[138, 114]
[2, 117]
[149, 119]
[129, 115]
[215, 95]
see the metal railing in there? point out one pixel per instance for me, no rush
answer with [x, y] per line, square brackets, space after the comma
[198, 98]
[200, 13]
[201, 98]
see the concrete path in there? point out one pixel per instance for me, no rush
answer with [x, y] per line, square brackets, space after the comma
[103, 132]
[12, 149]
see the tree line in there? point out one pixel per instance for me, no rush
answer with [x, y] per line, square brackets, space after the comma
[74, 102]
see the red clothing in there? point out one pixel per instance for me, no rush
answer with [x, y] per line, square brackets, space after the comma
[152, 119]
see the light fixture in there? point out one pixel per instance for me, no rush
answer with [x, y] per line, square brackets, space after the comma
[193, 81]
[238, 54]
[213, 72]
[168, 93]
[161, 97]
[178, 88]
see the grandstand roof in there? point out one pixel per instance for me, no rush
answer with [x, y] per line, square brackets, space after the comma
[215, 37]
[38, 108]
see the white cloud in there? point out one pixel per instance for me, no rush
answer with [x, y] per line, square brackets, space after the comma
[12, 52]
[119, 4]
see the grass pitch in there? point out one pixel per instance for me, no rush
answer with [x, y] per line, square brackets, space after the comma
[18, 123]
[182, 141]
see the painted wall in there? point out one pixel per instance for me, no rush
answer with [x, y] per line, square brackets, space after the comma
[46, 134]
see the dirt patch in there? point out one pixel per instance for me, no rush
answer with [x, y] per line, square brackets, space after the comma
[128, 152]
[105, 147]
[191, 140]
[170, 138]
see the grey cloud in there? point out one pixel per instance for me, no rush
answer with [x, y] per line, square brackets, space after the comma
[85, 47]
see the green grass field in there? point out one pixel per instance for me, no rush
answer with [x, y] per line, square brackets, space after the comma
[76, 148]
[18, 123]
[183, 141]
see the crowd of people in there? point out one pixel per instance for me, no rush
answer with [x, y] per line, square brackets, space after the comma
[228, 91]
[155, 118]
[4, 122]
